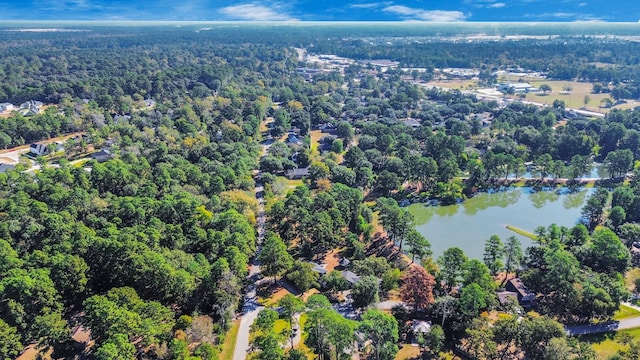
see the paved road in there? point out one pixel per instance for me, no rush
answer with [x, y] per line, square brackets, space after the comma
[612, 325]
[251, 306]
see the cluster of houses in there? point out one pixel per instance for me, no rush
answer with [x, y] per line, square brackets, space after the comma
[31, 107]
[326, 64]
[41, 149]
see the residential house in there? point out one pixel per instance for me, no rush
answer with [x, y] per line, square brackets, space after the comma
[292, 139]
[6, 107]
[351, 277]
[420, 327]
[507, 297]
[102, 155]
[30, 104]
[325, 143]
[413, 123]
[328, 128]
[318, 268]
[484, 118]
[298, 173]
[526, 299]
[31, 107]
[38, 149]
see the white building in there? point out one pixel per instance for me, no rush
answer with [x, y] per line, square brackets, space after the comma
[38, 149]
[31, 104]
[31, 107]
[6, 107]
[518, 87]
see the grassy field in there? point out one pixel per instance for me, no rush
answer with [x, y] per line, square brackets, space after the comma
[606, 344]
[315, 136]
[455, 84]
[625, 312]
[631, 277]
[230, 341]
[291, 183]
[407, 351]
[573, 99]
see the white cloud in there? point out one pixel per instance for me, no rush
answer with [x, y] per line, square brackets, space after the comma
[582, 4]
[479, 2]
[564, 14]
[489, 4]
[254, 12]
[426, 15]
[370, 5]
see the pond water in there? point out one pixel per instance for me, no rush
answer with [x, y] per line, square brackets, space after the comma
[469, 224]
[598, 171]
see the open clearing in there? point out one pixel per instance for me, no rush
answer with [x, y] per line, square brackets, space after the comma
[572, 99]
[606, 344]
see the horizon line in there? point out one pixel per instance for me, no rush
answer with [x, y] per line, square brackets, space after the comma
[316, 21]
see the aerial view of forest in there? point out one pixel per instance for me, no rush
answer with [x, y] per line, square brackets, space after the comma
[319, 191]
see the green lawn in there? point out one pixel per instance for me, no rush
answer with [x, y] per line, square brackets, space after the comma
[630, 278]
[315, 136]
[280, 326]
[408, 352]
[606, 344]
[625, 312]
[230, 341]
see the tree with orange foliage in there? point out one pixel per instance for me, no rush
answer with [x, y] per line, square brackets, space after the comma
[417, 287]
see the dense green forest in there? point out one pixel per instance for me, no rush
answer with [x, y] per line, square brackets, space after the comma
[150, 250]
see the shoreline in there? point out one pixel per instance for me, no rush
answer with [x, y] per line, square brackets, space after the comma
[511, 183]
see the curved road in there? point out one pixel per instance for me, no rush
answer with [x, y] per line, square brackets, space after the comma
[613, 325]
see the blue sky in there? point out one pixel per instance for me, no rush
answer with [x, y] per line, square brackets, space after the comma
[324, 10]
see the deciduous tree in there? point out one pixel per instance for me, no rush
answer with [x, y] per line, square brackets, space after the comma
[417, 287]
[382, 330]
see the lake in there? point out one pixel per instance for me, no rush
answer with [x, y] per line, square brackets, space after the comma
[469, 224]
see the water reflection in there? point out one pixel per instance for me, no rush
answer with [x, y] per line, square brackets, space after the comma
[540, 198]
[469, 224]
[502, 198]
[575, 199]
